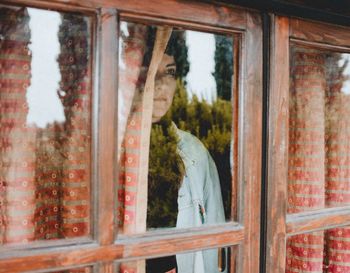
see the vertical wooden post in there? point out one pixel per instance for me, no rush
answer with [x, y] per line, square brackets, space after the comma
[107, 133]
[107, 137]
[278, 146]
[251, 135]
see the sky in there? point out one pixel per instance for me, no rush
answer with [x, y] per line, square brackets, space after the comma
[201, 50]
[44, 104]
[346, 83]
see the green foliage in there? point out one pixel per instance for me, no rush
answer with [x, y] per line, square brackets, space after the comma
[211, 124]
[223, 66]
[166, 171]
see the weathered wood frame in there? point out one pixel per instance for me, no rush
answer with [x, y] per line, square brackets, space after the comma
[281, 225]
[103, 249]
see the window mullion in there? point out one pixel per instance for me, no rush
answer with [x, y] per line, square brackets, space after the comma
[278, 147]
[107, 126]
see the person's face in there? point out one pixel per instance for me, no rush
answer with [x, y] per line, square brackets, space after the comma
[164, 87]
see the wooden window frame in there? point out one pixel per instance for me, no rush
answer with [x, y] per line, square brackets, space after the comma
[281, 225]
[105, 248]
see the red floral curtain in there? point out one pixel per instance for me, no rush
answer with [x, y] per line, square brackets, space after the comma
[136, 94]
[17, 156]
[337, 162]
[318, 159]
[306, 172]
[132, 50]
[45, 172]
[75, 69]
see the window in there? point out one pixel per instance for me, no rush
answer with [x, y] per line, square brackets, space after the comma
[45, 125]
[131, 139]
[308, 174]
[87, 169]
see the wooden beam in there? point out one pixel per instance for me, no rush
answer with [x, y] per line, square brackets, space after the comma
[250, 134]
[107, 133]
[152, 244]
[196, 12]
[319, 32]
[174, 241]
[278, 146]
[310, 221]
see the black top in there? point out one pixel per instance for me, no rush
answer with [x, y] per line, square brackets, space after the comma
[161, 265]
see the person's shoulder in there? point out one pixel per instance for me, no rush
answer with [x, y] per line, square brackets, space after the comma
[188, 137]
[190, 144]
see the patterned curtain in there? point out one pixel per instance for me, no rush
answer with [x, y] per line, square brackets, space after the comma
[138, 85]
[306, 173]
[338, 162]
[17, 141]
[45, 179]
[75, 68]
[318, 159]
[133, 46]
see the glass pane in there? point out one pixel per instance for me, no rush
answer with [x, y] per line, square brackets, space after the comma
[319, 129]
[204, 261]
[322, 251]
[45, 125]
[175, 116]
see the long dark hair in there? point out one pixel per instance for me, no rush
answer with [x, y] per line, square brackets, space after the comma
[176, 47]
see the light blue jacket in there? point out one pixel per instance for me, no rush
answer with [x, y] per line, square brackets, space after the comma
[199, 201]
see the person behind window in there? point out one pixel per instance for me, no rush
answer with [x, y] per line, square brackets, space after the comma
[184, 188]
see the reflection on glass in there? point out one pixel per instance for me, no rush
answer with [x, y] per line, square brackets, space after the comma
[204, 261]
[322, 251]
[319, 129]
[176, 117]
[45, 137]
